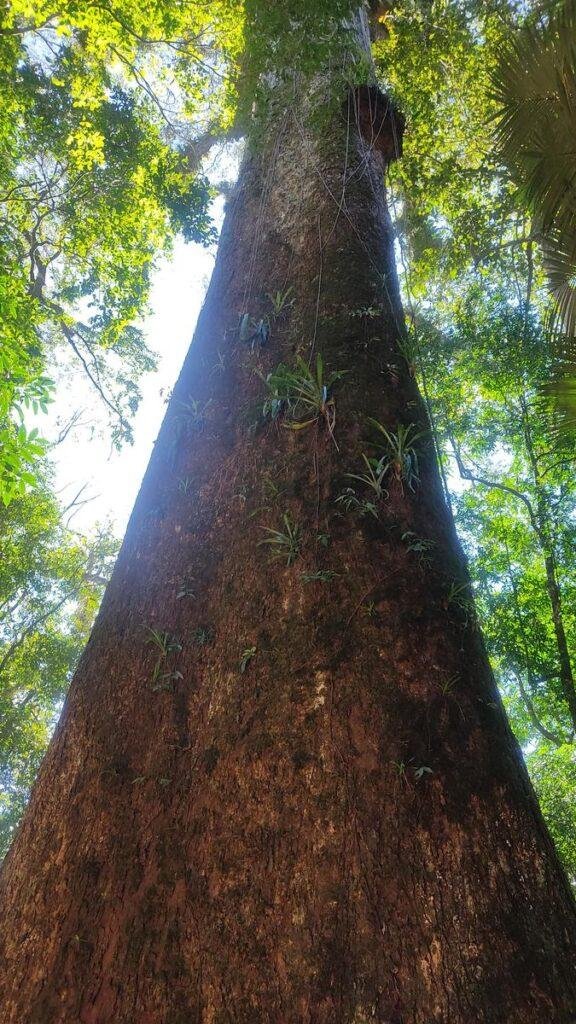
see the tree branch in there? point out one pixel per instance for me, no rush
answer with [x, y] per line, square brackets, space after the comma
[16, 644]
[538, 725]
[475, 478]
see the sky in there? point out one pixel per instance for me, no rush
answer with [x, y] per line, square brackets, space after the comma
[112, 478]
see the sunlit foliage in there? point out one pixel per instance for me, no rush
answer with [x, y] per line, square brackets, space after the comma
[51, 581]
[96, 174]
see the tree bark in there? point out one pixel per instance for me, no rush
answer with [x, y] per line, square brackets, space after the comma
[310, 807]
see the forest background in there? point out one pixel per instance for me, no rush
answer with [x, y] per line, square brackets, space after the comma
[108, 116]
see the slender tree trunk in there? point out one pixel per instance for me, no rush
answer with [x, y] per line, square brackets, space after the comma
[544, 529]
[527, 692]
[303, 802]
[566, 675]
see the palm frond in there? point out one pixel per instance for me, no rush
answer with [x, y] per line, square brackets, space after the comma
[560, 267]
[534, 86]
[559, 394]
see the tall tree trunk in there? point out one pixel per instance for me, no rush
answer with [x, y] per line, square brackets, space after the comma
[300, 801]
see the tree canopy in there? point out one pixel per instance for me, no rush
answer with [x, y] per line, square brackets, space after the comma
[97, 172]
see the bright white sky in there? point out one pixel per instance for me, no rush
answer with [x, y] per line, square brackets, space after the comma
[85, 457]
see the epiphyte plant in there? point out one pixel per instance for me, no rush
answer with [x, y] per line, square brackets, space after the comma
[302, 395]
[419, 771]
[422, 546]
[246, 658]
[186, 589]
[415, 543]
[191, 414]
[285, 544]
[202, 635]
[350, 502]
[280, 301]
[459, 596]
[372, 479]
[399, 457]
[165, 644]
[254, 332]
[366, 312]
[320, 576]
[220, 363]
[408, 346]
[447, 685]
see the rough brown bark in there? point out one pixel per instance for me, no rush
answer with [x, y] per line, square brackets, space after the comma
[344, 831]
